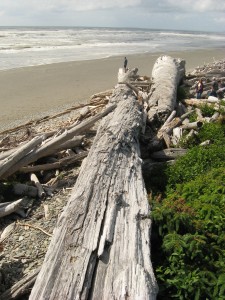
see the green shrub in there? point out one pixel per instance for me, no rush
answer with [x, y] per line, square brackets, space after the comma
[207, 110]
[197, 160]
[191, 234]
[213, 132]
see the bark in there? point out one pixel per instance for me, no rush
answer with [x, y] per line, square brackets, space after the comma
[101, 244]
[167, 73]
[51, 145]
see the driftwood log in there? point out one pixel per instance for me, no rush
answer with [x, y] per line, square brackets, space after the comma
[50, 146]
[101, 244]
[167, 73]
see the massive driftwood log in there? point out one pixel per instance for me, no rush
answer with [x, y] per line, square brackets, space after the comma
[167, 73]
[101, 245]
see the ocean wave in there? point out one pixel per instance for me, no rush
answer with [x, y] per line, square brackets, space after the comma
[51, 44]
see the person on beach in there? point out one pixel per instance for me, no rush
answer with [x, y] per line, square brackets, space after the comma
[125, 64]
[199, 89]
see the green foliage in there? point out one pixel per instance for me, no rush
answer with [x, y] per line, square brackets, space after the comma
[213, 132]
[191, 232]
[193, 117]
[207, 110]
[198, 160]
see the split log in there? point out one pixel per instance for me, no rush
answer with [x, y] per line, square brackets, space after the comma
[22, 287]
[48, 147]
[168, 154]
[100, 248]
[167, 73]
[8, 208]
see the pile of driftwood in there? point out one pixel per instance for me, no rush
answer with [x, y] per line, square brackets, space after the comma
[100, 248]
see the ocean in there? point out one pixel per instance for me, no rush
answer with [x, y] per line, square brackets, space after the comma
[31, 46]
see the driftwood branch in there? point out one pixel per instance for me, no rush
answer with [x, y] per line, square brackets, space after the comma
[7, 163]
[8, 208]
[56, 165]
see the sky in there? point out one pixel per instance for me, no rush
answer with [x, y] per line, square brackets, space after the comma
[198, 15]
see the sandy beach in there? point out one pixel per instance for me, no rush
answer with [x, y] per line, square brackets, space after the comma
[31, 92]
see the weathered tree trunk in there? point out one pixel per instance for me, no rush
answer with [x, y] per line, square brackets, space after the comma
[167, 73]
[101, 244]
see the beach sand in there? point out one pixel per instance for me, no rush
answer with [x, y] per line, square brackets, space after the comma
[32, 92]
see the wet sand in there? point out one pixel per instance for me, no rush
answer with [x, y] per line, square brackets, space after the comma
[32, 92]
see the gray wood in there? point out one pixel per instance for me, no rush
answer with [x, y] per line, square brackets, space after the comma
[100, 248]
[49, 146]
[22, 151]
[167, 73]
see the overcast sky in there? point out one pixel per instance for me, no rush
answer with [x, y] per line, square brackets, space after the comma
[208, 15]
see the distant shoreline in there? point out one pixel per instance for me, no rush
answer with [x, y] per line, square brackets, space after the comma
[31, 92]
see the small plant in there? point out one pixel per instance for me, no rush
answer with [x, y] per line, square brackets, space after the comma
[207, 110]
[193, 117]
[213, 132]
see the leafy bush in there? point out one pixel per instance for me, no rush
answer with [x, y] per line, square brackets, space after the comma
[213, 132]
[207, 110]
[198, 160]
[191, 233]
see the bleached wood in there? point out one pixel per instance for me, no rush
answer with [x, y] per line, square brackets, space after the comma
[48, 147]
[100, 248]
[167, 73]
[66, 161]
[192, 125]
[8, 208]
[41, 192]
[22, 151]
